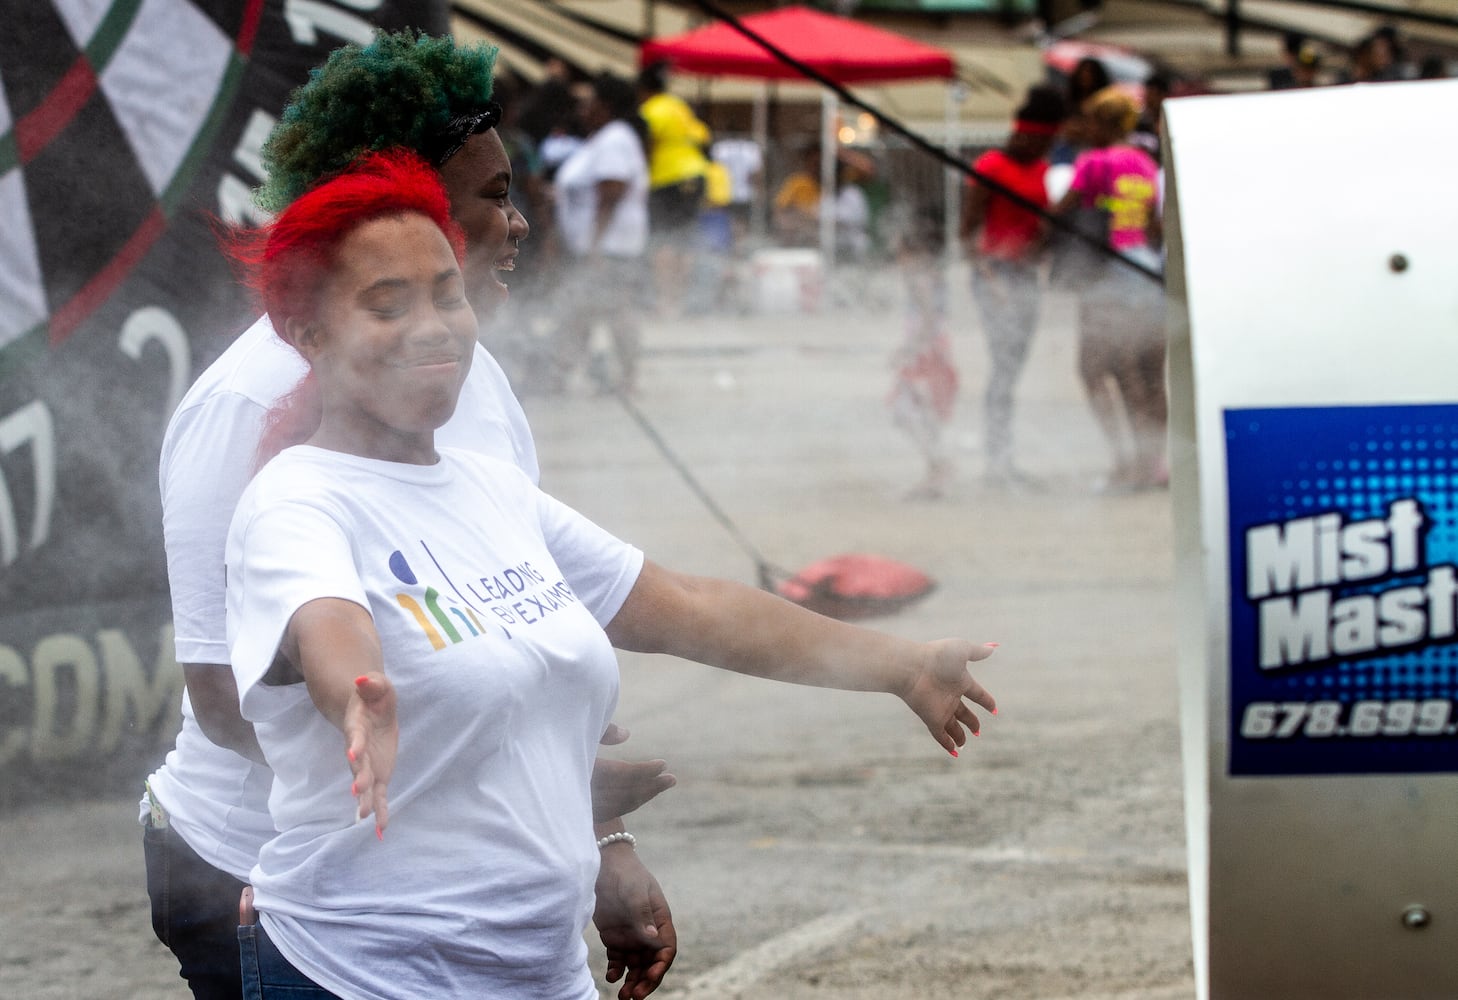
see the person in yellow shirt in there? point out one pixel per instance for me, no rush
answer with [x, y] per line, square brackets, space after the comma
[676, 168]
[797, 202]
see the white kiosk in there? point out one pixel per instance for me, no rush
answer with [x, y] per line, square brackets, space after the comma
[1313, 289]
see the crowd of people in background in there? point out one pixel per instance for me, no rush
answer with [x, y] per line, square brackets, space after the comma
[1377, 57]
[639, 209]
[630, 196]
[1089, 153]
[373, 273]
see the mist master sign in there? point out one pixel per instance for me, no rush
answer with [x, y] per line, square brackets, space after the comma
[1344, 589]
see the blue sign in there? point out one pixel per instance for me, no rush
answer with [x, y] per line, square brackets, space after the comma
[1343, 589]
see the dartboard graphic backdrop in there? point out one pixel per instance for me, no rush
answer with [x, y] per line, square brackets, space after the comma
[114, 88]
[127, 128]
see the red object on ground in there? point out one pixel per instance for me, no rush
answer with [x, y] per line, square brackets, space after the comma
[844, 50]
[856, 585]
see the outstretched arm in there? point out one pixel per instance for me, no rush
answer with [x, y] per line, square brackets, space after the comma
[730, 625]
[333, 644]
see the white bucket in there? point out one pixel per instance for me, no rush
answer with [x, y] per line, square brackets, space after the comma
[787, 279]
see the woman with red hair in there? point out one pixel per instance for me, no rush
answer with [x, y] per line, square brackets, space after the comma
[456, 626]
[288, 263]
[371, 573]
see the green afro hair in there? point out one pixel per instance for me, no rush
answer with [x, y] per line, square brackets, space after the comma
[399, 90]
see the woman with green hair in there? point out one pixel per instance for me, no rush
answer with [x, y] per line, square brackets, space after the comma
[205, 814]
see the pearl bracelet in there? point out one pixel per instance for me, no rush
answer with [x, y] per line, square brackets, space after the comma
[618, 838]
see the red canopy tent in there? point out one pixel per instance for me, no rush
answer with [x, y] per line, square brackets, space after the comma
[844, 50]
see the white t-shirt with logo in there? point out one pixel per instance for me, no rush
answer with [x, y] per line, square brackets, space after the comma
[216, 800]
[490, 599]
[612, 153]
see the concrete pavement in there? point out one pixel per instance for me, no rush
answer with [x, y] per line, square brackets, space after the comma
[819, 845]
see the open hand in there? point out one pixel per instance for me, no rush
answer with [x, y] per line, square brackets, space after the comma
[620, 786]
[371, 738]
[940, 692]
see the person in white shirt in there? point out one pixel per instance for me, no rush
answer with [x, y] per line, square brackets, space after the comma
[744, 162]
[601, 197]
[205, 811]
[420, 636]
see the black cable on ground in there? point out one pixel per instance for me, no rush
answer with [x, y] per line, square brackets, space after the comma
[764, 569]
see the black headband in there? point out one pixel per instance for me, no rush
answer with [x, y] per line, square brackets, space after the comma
[449, 140]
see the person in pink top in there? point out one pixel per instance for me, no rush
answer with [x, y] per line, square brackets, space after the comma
[1121, 312]
[1004, 242]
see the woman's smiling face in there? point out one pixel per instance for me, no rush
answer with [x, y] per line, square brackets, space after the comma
[478, 182]
[391, 340]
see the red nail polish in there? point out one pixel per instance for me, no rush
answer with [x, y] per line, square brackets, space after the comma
[350, 755]
[354, 788]
[994, 711]
[380, 832]
[978, 733]
[360, 680]
[992, 645]
[953, 751]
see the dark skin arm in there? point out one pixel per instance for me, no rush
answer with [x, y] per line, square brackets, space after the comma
[609, 193]
[214, 694]
[703, 619]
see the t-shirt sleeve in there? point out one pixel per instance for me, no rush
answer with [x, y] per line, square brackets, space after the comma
[207, 458]
[600, 568]
[281, 556]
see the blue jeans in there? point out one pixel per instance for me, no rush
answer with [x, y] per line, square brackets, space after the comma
[194, 913]
[267, 975]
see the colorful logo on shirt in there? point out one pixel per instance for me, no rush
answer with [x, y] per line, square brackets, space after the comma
[518, 595]
[443, 624]
[1130, 203]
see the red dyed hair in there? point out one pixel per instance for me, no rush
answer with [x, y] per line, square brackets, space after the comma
[285, 261]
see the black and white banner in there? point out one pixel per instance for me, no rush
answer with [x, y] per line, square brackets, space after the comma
[125, 126]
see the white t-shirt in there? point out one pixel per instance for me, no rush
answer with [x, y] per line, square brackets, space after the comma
[743, 159]
[612, 153]
[489, 598]
[216, 800]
